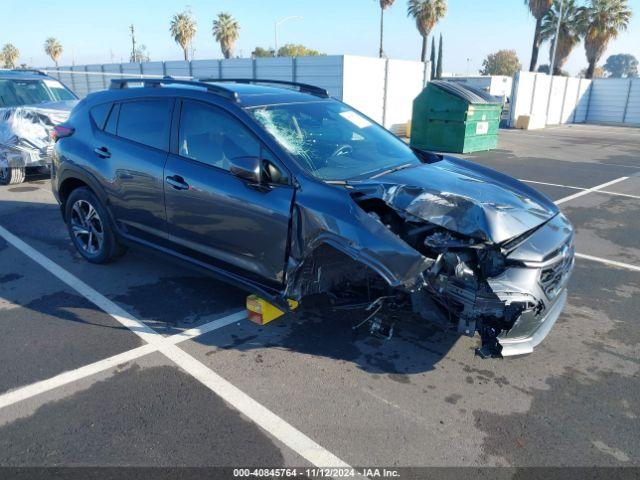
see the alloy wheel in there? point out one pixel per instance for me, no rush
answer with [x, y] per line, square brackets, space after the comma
[87, 227]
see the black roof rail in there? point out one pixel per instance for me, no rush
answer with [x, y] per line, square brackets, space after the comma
[120, 83]
[303, 87]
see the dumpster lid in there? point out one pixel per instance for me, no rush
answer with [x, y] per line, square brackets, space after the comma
[469, 94]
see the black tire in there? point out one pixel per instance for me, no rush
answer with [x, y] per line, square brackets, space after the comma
[90, 227]
[11, 175]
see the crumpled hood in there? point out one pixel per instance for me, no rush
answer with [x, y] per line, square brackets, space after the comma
[463, 197]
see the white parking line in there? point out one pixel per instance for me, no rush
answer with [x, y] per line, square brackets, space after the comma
[37, 388]
[269, 421]
[608, 262]
[34, 389]
[589, 190]
[580, 188]
[207, 327]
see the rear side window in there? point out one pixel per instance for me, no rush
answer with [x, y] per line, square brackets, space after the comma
[146, 122]
[99, 114]
[112, 123]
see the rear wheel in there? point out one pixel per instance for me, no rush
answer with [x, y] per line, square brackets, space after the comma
[90, 227]
[11, 175]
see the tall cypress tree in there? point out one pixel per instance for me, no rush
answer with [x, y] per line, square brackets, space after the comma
[439, 69]
[433, 58]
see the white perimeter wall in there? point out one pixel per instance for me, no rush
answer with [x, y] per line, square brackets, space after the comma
[382, 89]
[558, 100]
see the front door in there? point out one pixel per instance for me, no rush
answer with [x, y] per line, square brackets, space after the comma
[212, 212]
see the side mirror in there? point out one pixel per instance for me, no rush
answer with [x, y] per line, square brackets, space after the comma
[247, 168]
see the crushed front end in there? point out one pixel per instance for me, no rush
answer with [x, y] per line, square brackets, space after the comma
[481, 253]
[511, 294]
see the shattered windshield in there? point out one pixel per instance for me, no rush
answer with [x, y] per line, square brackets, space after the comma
[333, 141]
[14, 93]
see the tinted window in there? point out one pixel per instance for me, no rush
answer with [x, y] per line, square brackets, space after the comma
[99, 114]
[146, 122]
[14, 93]
[211, 136]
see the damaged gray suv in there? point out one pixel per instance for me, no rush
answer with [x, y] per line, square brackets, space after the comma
[290, 194]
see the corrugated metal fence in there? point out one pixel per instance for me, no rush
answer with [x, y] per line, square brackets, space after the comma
[554, 100]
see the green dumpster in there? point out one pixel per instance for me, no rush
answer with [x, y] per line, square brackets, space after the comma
[449, 117]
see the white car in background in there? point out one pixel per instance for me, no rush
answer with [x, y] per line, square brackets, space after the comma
[31, 104]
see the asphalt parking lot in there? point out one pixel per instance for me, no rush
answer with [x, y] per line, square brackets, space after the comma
[144, 362]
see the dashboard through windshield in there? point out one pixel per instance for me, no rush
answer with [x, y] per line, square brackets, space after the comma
[334, 142]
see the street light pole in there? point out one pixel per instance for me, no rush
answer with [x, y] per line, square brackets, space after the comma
[277, 24]
[555, 41]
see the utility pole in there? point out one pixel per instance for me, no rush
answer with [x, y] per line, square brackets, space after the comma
[134, 55]
[555, 41]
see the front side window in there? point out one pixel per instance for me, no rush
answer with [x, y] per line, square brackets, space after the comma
[58, 91]
[333, 141]
[146, 122]
[211, 136]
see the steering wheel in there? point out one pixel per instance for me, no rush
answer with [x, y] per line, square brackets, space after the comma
[344, 149]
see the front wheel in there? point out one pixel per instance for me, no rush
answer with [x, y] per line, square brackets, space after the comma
[90, 227]
[11, 175]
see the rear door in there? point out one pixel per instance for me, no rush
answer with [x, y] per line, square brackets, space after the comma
[211, 212]
[135, 145]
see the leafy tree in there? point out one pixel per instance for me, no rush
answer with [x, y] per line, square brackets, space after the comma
[141, 54]
[622, 65]
[604, 20]
[9, 55]
[571, 28]
[384, 4]
[53, 48]
[426, 14]
[433, 57]
[183, 29]
[503, 62]
[226, 31]
[538, 9]
[293, 50]
[439, 67]
[263, 52]
[545, 69]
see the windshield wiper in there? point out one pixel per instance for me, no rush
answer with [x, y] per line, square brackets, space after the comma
[394, 169]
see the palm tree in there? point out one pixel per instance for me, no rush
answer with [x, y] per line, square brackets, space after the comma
[53, 48]
[384, 4]
[426, 14]
[539, 9]
[9, 55]
[571, 28]
[603, 19]
[183, 29]
[226, 31]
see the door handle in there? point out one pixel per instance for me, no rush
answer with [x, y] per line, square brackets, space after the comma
[102, 152]
[177, 182]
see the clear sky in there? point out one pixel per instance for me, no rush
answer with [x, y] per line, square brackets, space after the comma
[97, 31]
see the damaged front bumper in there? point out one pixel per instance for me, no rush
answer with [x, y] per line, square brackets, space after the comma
[512, 344]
